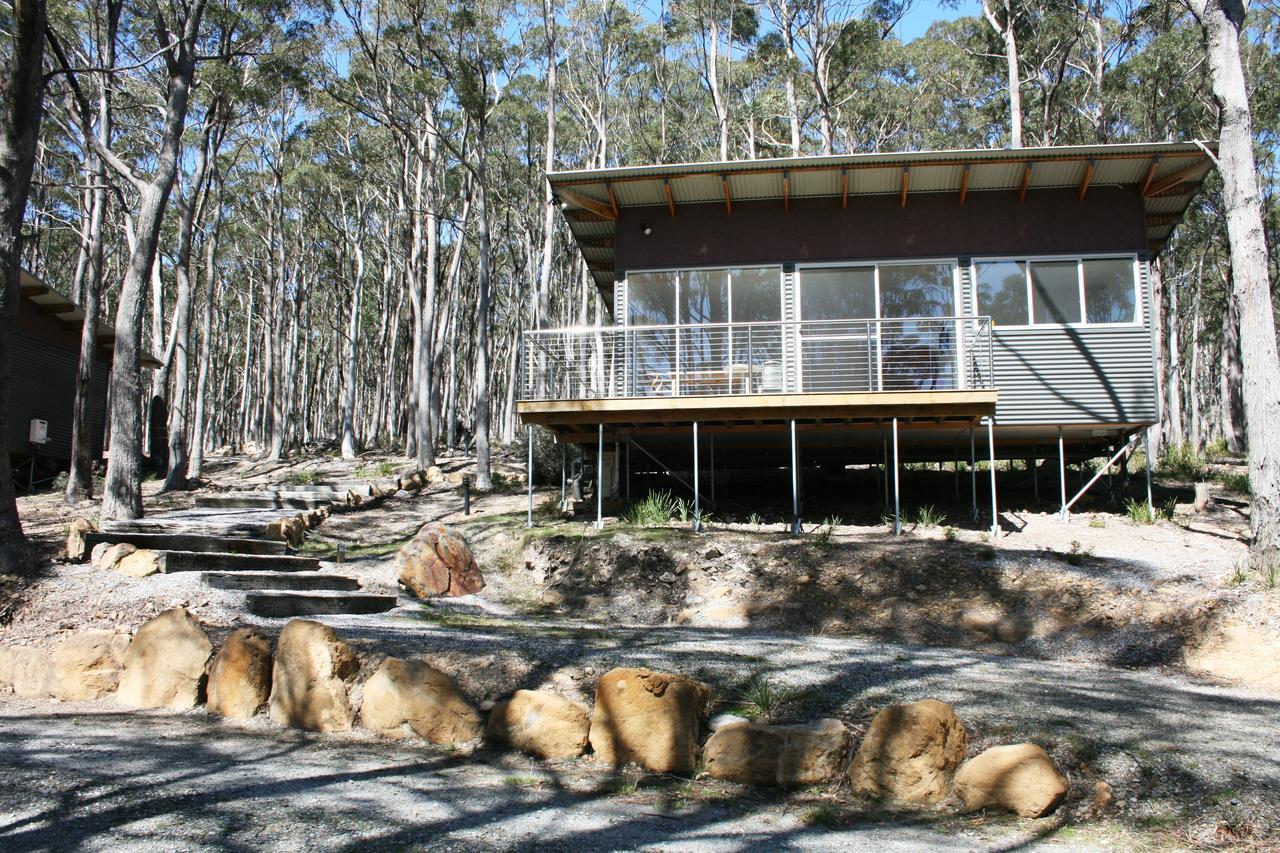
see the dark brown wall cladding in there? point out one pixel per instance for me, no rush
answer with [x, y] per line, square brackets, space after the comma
[1049, 221]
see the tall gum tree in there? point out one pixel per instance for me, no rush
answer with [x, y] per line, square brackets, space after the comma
[1223, 22]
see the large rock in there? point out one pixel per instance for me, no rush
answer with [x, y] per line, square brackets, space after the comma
[75, 538]
[438, 562]
[310, 678]
[87, 665]
[541, 723]
[240, 675]
[164, 666]
[27, 671]
[785, 756]
[650, 718]
[140, 563]
[411, 697]
[910, 753]
[1020, 778]
[107, 556]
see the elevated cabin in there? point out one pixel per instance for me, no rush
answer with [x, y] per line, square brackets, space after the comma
[46, 356]
[863, 309]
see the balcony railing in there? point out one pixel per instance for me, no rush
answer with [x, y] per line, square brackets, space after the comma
[813, 356]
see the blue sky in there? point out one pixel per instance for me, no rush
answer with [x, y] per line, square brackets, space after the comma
[921, 15]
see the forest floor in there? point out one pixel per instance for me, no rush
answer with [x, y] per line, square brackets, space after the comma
[1142, 655]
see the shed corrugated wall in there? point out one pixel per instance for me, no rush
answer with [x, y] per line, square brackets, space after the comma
[43, 385]
[1078, 374]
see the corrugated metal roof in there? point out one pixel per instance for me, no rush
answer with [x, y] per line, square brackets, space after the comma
[51, 302]
[1168, 173]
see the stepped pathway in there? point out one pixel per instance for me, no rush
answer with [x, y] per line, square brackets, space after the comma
[223, 539]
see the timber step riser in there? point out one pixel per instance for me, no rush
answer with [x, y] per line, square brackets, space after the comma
[188, 542]
[204, 561]
[287, 581]
[289, 604]
[259, 502]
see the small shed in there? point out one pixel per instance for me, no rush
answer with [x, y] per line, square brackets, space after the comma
[46, 353]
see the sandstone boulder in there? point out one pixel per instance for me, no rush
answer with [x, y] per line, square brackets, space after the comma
[435, 476]
[310, 677]
[650, 718]
[785, 756]
[290, 530]
[410, 696]
[140, 563]
[910, 753]
[87, 665]
[164, 666]
[240, 675]
[438, 562]
[541, 724]
[75, 538]
[27, 671]
[109, 556]
[1020, 778]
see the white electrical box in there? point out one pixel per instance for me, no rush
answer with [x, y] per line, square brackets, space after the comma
[39, 431]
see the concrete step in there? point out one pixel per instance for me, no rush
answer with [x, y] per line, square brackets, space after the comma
[279, 581]
[178, 541]
[317, 603]
[204, 561]
[262, 500]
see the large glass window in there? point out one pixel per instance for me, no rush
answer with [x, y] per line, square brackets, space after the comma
[837, 293]
[1088, 290]
[757, 294]
[1055, 288]
[1002, 292]
[651, 299]
[917, 290]
[704, 296]
[1109, 292]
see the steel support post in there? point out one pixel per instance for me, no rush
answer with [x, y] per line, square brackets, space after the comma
[897, 501]
[991, 459]
[795, 483]
[600, 478]
[697, 498]
[1062, 476]
[530, 476]
[1146, 451]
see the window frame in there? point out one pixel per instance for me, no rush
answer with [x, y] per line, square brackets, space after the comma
[679, 273]
[875, 264]
[1139, 307]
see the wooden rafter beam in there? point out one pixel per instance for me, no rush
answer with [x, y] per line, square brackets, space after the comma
[586, 202]
[54, 308]
[728, 196]
[33, 289]
[1171, 180]
[906, 182]
[964, 181]
[844, 187]
[786, 191]
[1026, 182]
[613, 199]
[1084, 181]
[671, 199]
[1151, 173]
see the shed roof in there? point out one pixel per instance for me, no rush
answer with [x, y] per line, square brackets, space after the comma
[1166, 173]
[50, 302]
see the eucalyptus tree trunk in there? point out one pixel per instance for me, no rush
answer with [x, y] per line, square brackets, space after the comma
[123, 494]
[480, 377]
[1233, 418]
[542, 307]
[1013, 78]
[1174, 414]
[196, 466]
[351, 344]
[1222, 21]
[425, 295]
[21, 109]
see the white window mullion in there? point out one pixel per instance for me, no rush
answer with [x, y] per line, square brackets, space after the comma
[1084, 317]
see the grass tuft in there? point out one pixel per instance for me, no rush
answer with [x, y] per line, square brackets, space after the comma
[655, 509]
[930, 516]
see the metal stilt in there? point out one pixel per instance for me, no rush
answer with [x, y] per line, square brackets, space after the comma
[1146, 451]
[1035, 472]
[711, 467]
[795, 484]
[991, 457]
[897, 508]
[697, 504]
[1062, 476]
[530, 478]
[600, 478]
[564, 473]
[884, 438]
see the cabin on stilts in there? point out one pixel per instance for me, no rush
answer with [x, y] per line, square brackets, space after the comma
[835, 318]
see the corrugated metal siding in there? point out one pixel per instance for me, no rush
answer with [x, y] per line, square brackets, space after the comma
[43, 385]
[790, 338]
[1075, 375]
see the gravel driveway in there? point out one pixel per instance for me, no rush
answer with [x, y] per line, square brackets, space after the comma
[87, 777]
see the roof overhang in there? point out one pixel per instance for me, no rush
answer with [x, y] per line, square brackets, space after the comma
[47, 301]
[1167, 174]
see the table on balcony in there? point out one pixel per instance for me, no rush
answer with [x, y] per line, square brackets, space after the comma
[733, 379]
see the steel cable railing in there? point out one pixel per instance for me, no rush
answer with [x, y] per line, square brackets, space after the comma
[813, 356]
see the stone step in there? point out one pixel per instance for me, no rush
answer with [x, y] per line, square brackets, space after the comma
[204, 561]
[177, 541]
[262, 500]
[279, 581]
[336, 490]
[284, 604]
[192, 525]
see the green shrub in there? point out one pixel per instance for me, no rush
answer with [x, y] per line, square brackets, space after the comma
[1234, 482]
[1139, 512]
[305, 477]
[656, 508]
[1183, 461]
[828, 528]
[929, 516]
[761, 700]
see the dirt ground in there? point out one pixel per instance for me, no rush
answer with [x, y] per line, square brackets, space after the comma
[1143, 655]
